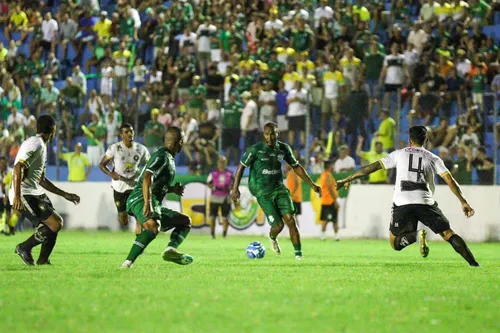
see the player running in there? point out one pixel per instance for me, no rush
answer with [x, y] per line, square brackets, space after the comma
[126, 156]
[329, 205]
[27, 196]
[144, 203]
[220, 181]
[266, 183]
[412, 202]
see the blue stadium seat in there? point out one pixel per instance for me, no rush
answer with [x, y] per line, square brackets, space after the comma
[492, 31]
[59, 84]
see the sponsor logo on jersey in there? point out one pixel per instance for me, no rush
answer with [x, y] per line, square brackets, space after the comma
[280, 157]
[271, 172]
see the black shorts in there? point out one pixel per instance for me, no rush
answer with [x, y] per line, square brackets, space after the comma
[121, 200]
[328, 213]
[392, 87]
[225, 208]
[298, 207]
[297, 123]
[405, 218]
[5, 207]
[231, 138]
[37, 208]
[46, 45]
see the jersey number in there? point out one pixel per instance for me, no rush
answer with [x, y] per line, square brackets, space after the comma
[418, 170]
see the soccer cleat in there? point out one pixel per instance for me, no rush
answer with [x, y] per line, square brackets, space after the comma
[275, 245]
[298, 257]
[40, 263]
[424, 249]
[127, 264]
[171, 254]
[25, 255]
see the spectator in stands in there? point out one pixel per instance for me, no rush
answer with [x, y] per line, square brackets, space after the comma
[77, 163]
[214, 86]
[121, 72]
[18, 22]
[375, 153]
[96, 136]
[356, 110]
[48, 95]
[196, 94]
[297, 100]
[470, 139]
[231, 131]
[154, 132]
[267, 104]
[442, 135]
[68, 29]
[477, 80]
[373, 62]
[249, 121]
[462, 168]
[190, 128]
[52, 66]
[49, 31]
[85, 34]
[444, 154]
[425, 105]
[72, 95]
[79, 79]
[386, 131]
[107, 75]
[394, 73]
[351, 68]
[15, 119]
[344, 163]
[484, 167]
[334, 89]
[66, 128]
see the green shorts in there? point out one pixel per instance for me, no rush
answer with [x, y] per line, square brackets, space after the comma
[276, 205]
[164, 216]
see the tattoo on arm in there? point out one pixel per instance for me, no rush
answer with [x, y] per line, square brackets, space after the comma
[366, 170]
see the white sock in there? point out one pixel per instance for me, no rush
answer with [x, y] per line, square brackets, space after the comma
[323, 235]
[337, 235]
[127, 263]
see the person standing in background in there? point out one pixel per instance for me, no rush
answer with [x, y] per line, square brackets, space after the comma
[294, 185]
[386, 131]
[376, 153]
[77, 163]
[249, 121]
[220, 181]
[267, 103]
[154, 132]
[329, 205]
[96, 133]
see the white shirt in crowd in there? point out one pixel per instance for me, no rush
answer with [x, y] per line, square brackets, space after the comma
[140, 73]
[49, 29]
[416, 169]
[427, 10]
[188, 40]
[134, 14]
[345, 163]
[80, 80]
[156, 77]
[205, 32]
[321, 12]
[249, 120]
[112, 127]
[463, 67]
[418, 38]
[18, 119]
[121, 65]
[33, 153]
[107, 80]
[126, 162]
[267, 113]
[302, 13]
[297, 108]
[276, 24]
[191, 129]
[395, 69]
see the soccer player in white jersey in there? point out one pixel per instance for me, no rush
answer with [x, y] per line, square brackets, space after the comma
[412, 202]
[28, 197]
[126, 156]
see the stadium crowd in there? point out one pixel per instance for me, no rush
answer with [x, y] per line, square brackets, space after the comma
[339, 77]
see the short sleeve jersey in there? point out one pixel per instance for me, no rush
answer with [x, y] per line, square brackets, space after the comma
[265, 167]
[126, 162]
[33, 154]
[161, 165]
[416, 169]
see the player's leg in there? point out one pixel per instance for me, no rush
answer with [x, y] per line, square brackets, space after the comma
[434, 218]
[214, 210]
[142, 240]
[54, 222]
[274, 219]
[225, 210]
[403, 228]
[287, 210]
[323, 229]
[138, 228]
[182, 226]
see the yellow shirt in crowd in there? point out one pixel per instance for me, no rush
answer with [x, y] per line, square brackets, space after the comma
[76, 166]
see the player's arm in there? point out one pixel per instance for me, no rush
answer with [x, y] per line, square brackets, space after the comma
[104, 167]
[49, 186]
[295, 183]
[363, 172]
[17, 176]
[237, 179]
[455, 188]
[146, 193]
[302, 173]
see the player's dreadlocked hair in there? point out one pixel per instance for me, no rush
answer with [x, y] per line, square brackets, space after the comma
[418, 134]
[45, 124]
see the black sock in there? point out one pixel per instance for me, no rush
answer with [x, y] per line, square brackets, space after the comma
[459, 245]
[404, 240]
[47, 248]
[42, 233]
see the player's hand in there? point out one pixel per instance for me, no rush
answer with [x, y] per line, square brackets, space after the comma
[115, 176]
[235, 196]
[17, 204]
[178, 189]
[343, 183]
[146, 211]
[72, 197]
[316, 189]
[468, 210]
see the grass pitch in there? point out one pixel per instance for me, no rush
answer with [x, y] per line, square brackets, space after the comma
[347, 286]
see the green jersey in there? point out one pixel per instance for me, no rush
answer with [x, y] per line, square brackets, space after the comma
[374, 64]
[479, 82]
[162, 166]
[155, 138]
[196, 96]
[265, 162]
[301, 39]
[232, 115]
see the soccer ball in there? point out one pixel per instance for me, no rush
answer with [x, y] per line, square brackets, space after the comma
[256, 250]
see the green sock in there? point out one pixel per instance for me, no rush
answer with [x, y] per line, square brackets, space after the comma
[141, 242]
[298, 249]
[177, 236]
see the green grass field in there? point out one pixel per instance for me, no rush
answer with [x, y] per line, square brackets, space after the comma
[347, 286]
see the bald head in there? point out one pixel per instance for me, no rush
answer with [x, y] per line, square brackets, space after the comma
[174, 140]
[78, 148]
[173, 134]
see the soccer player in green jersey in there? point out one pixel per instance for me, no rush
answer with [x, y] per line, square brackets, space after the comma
[144, 203]
[266, 183]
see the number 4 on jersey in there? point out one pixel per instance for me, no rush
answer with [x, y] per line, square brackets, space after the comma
[419, 170]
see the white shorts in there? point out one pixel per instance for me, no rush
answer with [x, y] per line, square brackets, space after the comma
[216, 55]
[478, 98]
[107, 86]
[95, 154]
[282, 123]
